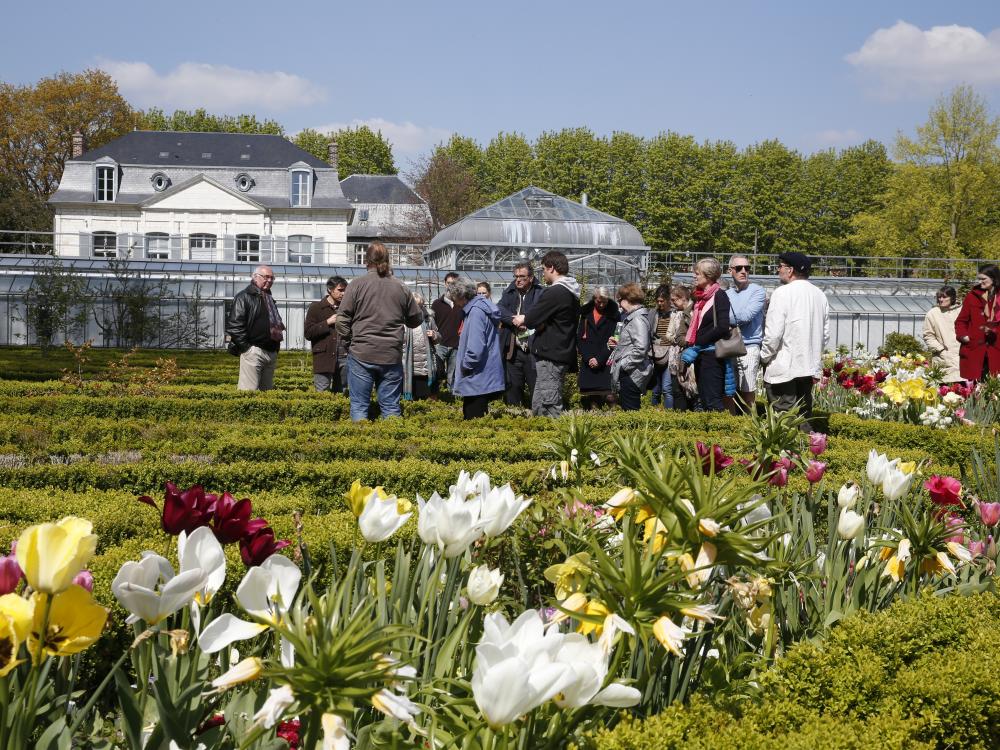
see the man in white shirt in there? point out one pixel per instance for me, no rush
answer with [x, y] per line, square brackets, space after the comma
[796, 331]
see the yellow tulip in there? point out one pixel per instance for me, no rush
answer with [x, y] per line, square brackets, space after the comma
[618, 502]
[357, 496]
[51, 554]
[895, 568]
[709, 527]
[908, 467]
[15, 623]
[654, 529]
[75, 623]
[670, 635]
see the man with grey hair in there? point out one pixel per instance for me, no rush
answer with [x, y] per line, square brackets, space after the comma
[746, 310]
[256, 330]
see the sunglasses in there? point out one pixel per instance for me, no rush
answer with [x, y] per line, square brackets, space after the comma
[740, 268]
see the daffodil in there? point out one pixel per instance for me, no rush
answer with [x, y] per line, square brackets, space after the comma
[75, 622]
[619, 501]
[357, 496]
[570, 576]
[51, 554]
[593, 609]
[670, 635]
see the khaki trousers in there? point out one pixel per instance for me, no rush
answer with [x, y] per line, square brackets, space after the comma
[257, 369]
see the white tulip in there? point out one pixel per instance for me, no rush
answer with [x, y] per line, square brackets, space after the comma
[848, 495]
[595, 459]
[277, 701]
[266, 592]
[381, 518]
[895, 483]
[959, 551]
[506, 687]
[202, 550]
[484, 585]
[450, 525]
[395, 705]
[500, 506]
[878, 465]
[588, 664]
[334, 733]
[850, 525]
[470, 487]
[150, 591]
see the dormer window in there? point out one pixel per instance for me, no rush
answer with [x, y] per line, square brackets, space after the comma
[300, 188]
[105, 184]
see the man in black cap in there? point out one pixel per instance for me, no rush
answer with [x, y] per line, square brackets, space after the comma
[796, 331]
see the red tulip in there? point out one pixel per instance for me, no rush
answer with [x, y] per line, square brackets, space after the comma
[944, 490]
[215, 720]
[880, 376]
[255, 548]
[714, 455]
[817, 443]
[989, 513]
[184, 511]
[231, 519]
[815, 471]
[289, 732]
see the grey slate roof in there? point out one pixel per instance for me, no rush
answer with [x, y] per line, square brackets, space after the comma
[536, 217]
[378, 188]
[186, 149]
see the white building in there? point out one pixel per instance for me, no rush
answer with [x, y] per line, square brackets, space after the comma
[216, 197]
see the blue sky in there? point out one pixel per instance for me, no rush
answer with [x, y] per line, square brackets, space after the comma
[812, 74]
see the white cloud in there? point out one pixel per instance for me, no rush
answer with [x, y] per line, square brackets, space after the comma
[906, 58]
[838, 138]
[218, 88]
[408, 140]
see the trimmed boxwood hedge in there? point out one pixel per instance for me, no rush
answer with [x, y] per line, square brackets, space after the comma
[917, 675]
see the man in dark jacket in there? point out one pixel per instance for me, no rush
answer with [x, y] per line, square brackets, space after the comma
[515, 342]
[554, 318]
[447, 319]
[255, 330]
[321, 332]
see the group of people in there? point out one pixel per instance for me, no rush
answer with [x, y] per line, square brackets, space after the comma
[704, 348]
[963, 339]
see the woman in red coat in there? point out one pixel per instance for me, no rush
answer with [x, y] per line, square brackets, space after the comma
[977, 326]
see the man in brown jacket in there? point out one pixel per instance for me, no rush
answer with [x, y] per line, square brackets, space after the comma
[370, 320]
[328, 352]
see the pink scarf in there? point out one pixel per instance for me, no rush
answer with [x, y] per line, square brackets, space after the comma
[704, 299]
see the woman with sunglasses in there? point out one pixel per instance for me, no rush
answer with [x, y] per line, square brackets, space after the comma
[976, 327]
[939, 334]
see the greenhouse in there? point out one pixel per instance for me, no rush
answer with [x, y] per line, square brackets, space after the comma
[602, 249]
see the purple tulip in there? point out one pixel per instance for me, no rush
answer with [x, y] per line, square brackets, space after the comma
[85, 579]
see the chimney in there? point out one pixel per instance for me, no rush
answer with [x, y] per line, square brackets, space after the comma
[331, 153]
[583, 198]
[77, 144]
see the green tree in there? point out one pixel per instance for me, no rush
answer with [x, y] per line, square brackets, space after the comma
[768, 199]
[627, 178]
[316, 143]
[449, 187]
[55, 304]
[571, 162]
[201, 121]
[23, 210]
[672, 222]
[361, 151]
[508, 165]
[941, 201]
[37, 124]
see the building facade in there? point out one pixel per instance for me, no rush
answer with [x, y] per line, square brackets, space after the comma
[212, 197]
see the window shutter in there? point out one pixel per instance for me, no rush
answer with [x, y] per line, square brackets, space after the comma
[229, 248]
[176, 247]
[267, 249]
[319, 254]
[86, 245]
[122, 248]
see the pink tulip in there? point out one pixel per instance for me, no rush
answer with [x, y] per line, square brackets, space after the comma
[944, 490]
[780, 476]
[817, 443]
[977, 548]
[955, 523]
[815, 471]
[10, 574]
[989, 513]
[85, 579]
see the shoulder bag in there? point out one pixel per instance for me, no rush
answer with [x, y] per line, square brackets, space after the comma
[730, 346]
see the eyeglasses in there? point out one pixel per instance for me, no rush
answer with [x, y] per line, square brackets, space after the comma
[521, 276]
[266, 278]
[740, 268]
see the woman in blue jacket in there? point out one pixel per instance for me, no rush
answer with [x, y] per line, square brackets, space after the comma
[479, 376]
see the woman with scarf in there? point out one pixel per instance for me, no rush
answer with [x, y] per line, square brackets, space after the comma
[977, 326]
[709, 323]
[597, 324]
[419, 358]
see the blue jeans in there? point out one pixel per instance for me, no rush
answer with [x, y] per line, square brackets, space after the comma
[662, 389]
[447, 355]
[386, 380]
